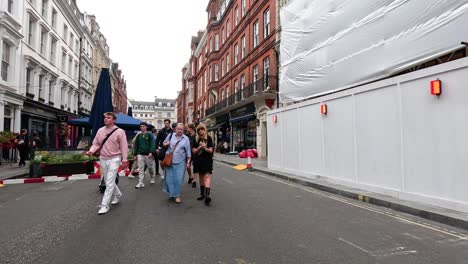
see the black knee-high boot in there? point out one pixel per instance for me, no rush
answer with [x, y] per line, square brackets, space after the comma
[202, 193]
[207, 196]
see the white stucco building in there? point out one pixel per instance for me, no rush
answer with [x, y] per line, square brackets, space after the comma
[154, 112]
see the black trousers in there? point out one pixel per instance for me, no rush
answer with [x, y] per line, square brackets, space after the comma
[23, 156]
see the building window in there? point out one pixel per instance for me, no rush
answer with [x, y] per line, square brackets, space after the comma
[76, 70]
[28, 80]
[168, 104]
[54, 18]
[206, 84]
[243, 8]
[216, 42]
[236, 89]
[43, 47]
[243, 47]
[227, 92]
[211, 73]
[65, 32]
[216, 73]
[41, 88]
[236, 53]
[44, 8]
[228, 28]
[5, 60]
[255, 77]
[70, 65]
[10, 6]
[72, 41]
[168, 114]
[53, 48]
[236, 16]
[228, 63]
[222, 68]
[64, 61]
[266, 73]
[255, 34]
[266, 23]
[242, 83]
[77, 46]
[31, 27]
[222, 36]
[51, 91]
[159, 114]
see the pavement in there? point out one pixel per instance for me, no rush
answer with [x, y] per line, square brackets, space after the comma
[11, 170]
[433, 213]
[253, 218]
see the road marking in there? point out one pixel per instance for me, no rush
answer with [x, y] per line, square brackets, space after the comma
[398, 251]
[378, 211]
[353, 245]
[228, 181]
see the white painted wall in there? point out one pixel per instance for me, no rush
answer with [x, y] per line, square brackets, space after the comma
[391, 137]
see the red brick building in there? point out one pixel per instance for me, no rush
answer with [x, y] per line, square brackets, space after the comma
[233, 72]
[119, 89]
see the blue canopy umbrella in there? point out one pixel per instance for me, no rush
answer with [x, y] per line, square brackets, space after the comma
[123, 121]
[102, 102]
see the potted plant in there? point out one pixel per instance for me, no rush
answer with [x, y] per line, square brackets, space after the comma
[52, 164]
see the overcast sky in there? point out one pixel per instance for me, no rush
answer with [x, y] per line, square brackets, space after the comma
[150, 39]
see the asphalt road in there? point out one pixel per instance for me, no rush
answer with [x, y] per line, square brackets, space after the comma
[253, 219]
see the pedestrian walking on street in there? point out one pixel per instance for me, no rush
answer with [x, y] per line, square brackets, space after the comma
[203, 162]
[111, 144]
[134, 167]
[145, 146]
[22, 143]
[179, 146]
[162, 135]
[192, 136]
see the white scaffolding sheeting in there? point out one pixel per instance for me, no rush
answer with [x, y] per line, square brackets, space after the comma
[330, 44]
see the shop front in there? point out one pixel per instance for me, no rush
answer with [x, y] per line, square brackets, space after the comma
[220, 131]
[244, 128]
[48, 123]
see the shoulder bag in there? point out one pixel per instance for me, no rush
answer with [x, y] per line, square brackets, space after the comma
[98, 152]
[167, 161]
[162, 151]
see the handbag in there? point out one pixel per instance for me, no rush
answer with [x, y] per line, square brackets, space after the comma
[167, 161]
[98, 152]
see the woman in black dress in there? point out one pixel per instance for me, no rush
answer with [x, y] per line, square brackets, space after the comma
[203, 151]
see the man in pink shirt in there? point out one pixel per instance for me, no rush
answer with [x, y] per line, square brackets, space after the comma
[113, 151]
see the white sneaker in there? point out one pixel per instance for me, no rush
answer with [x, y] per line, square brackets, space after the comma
[116, 199]
[104, 209]
[162, 176]
[140, 185]
[130, 176]
[152, 181]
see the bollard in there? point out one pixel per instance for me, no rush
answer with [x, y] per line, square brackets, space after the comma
[249, 163]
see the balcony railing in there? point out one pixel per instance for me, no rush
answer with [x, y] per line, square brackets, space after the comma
[261, 86]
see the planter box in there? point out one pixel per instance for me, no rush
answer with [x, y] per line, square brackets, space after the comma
[44, 169]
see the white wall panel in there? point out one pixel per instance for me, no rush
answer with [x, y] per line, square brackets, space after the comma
[311, 157]
[378, 138]
[338, 129]
[290, 135]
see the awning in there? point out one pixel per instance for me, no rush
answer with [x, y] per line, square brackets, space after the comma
[243, 118]
[216, 126]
